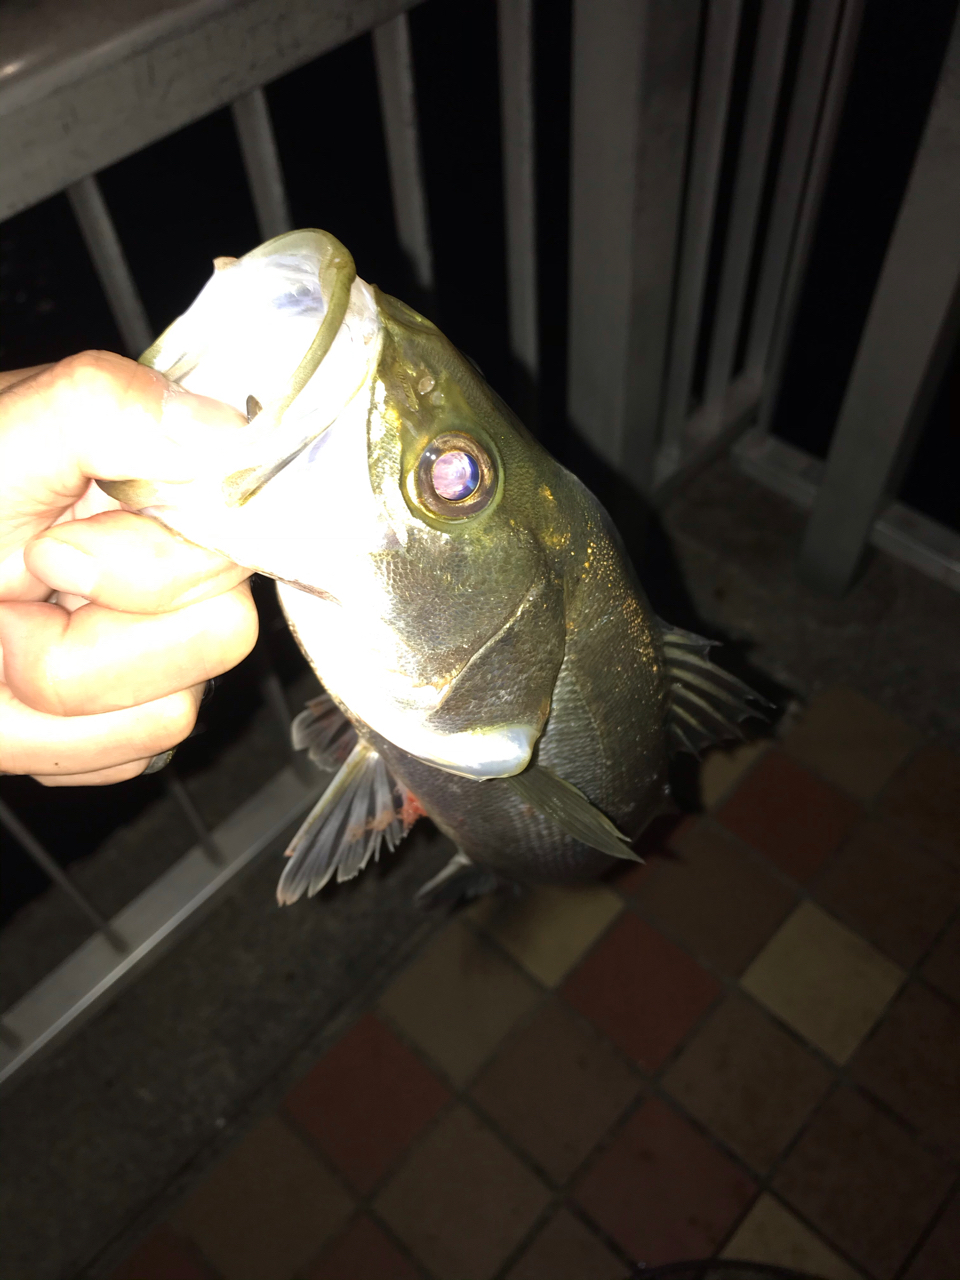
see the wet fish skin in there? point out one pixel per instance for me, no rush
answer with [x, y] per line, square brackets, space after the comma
[466, 641]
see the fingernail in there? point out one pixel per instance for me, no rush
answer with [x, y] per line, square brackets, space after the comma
[158, 762]
[63, 568]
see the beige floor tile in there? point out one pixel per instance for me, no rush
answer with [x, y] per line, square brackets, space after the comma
[266, 1209]
[770, 1233]
[851, 741]
[458, 999]
[823, 980]
[723, 767]
[566, 1250]
[549, 928]
[461, 1202]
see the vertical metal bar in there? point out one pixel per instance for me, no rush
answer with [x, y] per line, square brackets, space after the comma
[713, 101]
[765, 84]
[258, 146]
[633, 71]
[57, 874]
[814, 66]
[192, 814]
[909, 331]
[103, 245]
[831, 109]
[398, 107]
[515, 27]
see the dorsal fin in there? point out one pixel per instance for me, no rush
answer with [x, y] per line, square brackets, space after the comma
[362, 808]
[570, 809]
[706, 702]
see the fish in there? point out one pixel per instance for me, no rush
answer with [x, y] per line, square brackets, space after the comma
[487, 655]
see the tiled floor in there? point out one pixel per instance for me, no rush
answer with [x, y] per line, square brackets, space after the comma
[749, 1047]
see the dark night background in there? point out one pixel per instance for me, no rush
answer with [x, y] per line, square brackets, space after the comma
[184, 200]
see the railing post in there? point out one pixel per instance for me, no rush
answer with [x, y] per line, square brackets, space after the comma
[398, 108]
[110, 262]
[53, 869]
[258, 146]
[515, 27]
[766, 82]
[633, 70]
[709, 132]
[910, 329]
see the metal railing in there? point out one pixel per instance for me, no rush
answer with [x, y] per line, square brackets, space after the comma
[652, 129]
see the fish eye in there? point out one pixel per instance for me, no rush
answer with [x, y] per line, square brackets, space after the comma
[455, 476]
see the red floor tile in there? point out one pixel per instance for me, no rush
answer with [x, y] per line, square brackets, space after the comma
[363, 1252]
[939, 1256]
[641, 990]
[365, 1101]
[912, 1063]
[890, 890]
[924, 797]
[859, 1178]
[662, 1191]
[163, 1256]
[785, 812]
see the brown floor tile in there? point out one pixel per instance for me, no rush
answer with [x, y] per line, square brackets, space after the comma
[924, 797]
[770, 1233]
[458, 999]
[785, 812]
[943, 965]
[566, 1250]
[823, 981]
[163, 1256]
[912, 1063]
[851, 742]
[714, 897]
[748, 1081]
[266, 1209]
[363, 1252]
[890, 890]
[641, 990]
[365, 1101]
[662, 1191]
[939, 1258]
[550, 928]
[556, 1087]
[863, 1181]
[722, 768]
[462, 1202]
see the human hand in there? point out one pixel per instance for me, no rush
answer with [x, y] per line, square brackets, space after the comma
[110, 624]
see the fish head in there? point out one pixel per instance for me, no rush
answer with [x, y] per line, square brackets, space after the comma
[409, 518]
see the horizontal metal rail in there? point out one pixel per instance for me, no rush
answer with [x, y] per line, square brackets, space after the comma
[899, 530]
[176, 902]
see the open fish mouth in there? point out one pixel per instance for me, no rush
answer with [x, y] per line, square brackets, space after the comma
[257, 337]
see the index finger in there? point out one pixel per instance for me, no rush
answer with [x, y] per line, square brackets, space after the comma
[128, 562]
[97, 415]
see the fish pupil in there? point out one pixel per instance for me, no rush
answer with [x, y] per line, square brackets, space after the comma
[455, 475]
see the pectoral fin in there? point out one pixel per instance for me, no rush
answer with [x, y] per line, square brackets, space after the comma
[362, 808]
[570, 809]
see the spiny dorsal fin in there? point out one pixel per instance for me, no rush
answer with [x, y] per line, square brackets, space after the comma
[362, 808]
[324, 732]
[570, 809]
[706, 702]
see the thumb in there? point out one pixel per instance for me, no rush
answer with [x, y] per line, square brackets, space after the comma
[100, 415]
